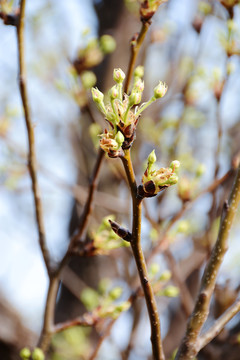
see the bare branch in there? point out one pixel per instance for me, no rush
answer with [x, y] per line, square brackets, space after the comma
[188, 348]
[31, 142]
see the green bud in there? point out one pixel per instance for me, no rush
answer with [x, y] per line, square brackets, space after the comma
[38, 354]
[175, 164]
[165, 276]
[173, 179]
[25, 353]
[139, 71]
[135, 98]
[160, 90]
[231, 25]
[88, 79]
[152, 158]
[170, 291]
[138, 86]
[113, 92]
[115, 293]
[108, 44]
[118, 75]
[201, 169]
[97, 96]
[119, 138]
[154, 269]
[204, 7]
[183, 226]
[90, 298]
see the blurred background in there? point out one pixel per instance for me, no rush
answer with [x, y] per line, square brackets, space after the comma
[70, 46]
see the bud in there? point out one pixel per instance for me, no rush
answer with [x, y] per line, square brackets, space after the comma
[38, 354]
[113, 92]
[175, 164]
[160, 90]
[138, 86]
[98, 99]
[25, 353]
[152, 158]
[97, 96]
[170, 291]
[154, 269]
[119, 138]
[135, 98]
[108, 44]
[139, 71]
[115, 293]
[118, 75]
[165, 276]
[201, 169]
[88, 79]
[172, 180]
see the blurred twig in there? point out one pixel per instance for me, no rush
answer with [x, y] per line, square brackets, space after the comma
[188, 349]
[30, 134]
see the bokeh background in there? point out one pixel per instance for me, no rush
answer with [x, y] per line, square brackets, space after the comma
[192, 45]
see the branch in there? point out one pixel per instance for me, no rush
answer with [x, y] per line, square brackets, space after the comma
[140, 261]
[188, 348]
[135, 47]
[86, 211]
[218, 325]
[30, 133]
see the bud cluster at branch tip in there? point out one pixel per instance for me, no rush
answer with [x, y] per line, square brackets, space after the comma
[122, 112]
[149, 7]
[154, 181]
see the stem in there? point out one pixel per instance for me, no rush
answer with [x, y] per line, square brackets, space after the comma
[140, 261]
[134, 53]
[219, 325]
[188, 349]
[48, 325]
[30, 133]
[87, 209]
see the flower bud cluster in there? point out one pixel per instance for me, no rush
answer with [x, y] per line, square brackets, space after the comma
[154, 181]
[121, 112]
[149, 7]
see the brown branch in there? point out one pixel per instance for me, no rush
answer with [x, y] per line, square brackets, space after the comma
[30, 134]
[140, 261]
[188, 348]
[102, 338]
[135, 47]
[218, 325]
[86, 211]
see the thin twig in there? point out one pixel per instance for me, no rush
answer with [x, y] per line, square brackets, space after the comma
[140, 261]
[86, 211]
[162, 242]
[188, 348]
[218, 325]
[30, 134]
[135, 47]
[102, 338]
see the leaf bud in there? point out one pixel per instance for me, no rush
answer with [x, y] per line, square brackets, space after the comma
[165, 276]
